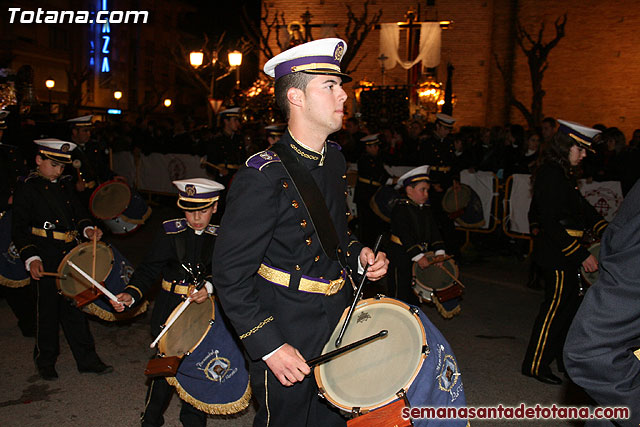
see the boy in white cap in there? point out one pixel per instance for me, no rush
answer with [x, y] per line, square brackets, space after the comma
[281, 280]
[414, 232]
[48, 222]
[187, 240]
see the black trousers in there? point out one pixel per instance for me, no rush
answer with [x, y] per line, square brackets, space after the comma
[298, 405]
[158, 396]
[23, 304]
[561, 301]
[53, 310]
[400, 277]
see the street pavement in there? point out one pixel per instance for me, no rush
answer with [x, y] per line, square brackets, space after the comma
[489, 338]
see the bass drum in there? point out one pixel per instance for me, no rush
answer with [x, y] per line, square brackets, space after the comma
[212, 375]
[112, 269]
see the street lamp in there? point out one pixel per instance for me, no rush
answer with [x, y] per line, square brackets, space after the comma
[196, 58]
[117, 95]
[167, 102]
[235, 60]
[50, 83]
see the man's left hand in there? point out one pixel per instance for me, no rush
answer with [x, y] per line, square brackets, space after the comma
[377, 267]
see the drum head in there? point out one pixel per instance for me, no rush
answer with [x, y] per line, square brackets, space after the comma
[592, 278]
[110, 199]
[454, 200]
[370, 376]
[188, 330]
[82, 256]
[433, 277]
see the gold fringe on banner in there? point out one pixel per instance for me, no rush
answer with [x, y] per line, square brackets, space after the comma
[14, 283]
[213, 408]
[114, 317]
[443, 311]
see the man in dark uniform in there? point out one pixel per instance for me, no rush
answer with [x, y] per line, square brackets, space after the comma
[282, 282]
[18, 293]
[48, 220]
[371, 176]
[90, 158]
[188, 240]
[227, 150]
[602, 350]
[437, 152]
[562, 215]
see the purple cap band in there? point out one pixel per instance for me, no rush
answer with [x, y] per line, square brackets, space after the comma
[285, 68]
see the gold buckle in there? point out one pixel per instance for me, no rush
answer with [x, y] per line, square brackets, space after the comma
[335, 286]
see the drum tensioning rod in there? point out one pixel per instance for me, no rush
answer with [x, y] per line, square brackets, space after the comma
[335, 353]
[358, 293]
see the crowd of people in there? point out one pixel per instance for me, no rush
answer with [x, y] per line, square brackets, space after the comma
[283, 277]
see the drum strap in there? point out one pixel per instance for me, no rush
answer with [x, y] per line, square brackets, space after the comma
[314, 201]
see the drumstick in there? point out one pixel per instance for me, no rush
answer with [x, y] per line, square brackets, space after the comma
[357, 295]
[93, 264]
[101, 288]
[203, 162]
[455, 279]
[52, 274]
[328, 356]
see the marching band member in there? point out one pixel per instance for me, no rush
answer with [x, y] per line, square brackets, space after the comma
[562, 215]
[188, 240]
[281, 281]
[413, 233]
[48, 220]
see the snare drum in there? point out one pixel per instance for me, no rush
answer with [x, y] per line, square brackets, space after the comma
[112, 269]
[212, 375]
[591, 278]
[121, 209]
[432, 284]
[414, 358]
[464, 206]
[12, 271]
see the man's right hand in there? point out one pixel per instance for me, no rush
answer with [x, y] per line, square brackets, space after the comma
[36, 269]
[124, 300]
[590, 264]
[288, 365]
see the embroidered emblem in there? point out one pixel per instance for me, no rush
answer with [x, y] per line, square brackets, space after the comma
[363, 317]
[65, 147]
[266, 156]
[12, 253]
[190, 189]
[338, 52]
[126, 271]
[217, 368]
[449, 374]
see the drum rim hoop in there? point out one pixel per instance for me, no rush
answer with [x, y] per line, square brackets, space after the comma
[423, 357]
[110, 182]
[75, 250]
[415, 265]
[206, 332]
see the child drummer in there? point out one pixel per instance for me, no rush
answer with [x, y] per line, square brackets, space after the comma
[48, 222]
[414, 232]
[188, 241]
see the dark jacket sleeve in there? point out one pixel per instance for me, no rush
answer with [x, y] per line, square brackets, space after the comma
[149, 270]
[242, 241]
[24, 241]
[601, 352]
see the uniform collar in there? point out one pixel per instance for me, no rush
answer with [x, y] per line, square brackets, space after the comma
[310, 156]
